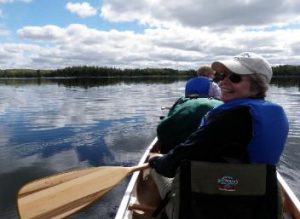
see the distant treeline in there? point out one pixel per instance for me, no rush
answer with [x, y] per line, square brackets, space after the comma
[93, 71]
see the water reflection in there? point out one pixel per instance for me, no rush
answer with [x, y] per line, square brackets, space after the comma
[286, 93]
[286, 82]
[10, 183]
[52, 125]
[89, 82]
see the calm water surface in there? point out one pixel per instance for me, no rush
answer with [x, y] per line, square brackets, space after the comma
[51, 126]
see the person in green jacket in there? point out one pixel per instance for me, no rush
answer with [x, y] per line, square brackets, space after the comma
[184, 118]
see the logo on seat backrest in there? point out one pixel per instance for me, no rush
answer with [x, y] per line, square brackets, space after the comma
[227, 183]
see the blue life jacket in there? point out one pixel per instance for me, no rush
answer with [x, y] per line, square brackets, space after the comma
[270, 128]
[198, 86]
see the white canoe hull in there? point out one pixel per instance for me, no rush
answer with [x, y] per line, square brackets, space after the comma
[130, 193]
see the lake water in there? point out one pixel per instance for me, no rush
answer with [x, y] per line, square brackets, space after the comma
[51, 126]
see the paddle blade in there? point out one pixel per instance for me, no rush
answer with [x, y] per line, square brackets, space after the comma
[63, 194]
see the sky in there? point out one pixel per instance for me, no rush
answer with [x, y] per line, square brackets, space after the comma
[51, 34]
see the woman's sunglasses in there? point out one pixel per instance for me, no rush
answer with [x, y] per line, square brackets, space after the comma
[234, 78]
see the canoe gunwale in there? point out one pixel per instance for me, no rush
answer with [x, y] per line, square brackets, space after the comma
[123, 208]
[292, 203]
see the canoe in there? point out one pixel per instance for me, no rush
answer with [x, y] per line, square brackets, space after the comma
[130, 196]
[291, 203]
[134, 204]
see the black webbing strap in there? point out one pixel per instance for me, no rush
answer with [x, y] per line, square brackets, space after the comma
[162, 204]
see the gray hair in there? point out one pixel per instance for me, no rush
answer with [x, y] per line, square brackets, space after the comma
[259, 85]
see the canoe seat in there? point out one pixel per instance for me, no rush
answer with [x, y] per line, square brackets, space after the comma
[224, 190]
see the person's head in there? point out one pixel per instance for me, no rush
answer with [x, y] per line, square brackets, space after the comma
[205, 71]
[247, 75]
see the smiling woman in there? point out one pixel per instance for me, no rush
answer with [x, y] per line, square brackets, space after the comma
[242, 125]
[257, 89]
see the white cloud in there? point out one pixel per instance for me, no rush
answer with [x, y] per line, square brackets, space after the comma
[177, 34]
[83, 9]
[196, 13]
[179, 47]
[48, 32]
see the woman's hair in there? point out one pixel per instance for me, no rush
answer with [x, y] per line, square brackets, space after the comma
[258, 84]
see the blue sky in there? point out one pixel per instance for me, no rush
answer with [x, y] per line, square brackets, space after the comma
[44, 12]
[49, 34]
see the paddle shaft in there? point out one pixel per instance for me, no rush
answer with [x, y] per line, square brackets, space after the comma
[61, 195]
[139, 167]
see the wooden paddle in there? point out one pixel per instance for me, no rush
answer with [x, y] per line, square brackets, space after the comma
[63, 194]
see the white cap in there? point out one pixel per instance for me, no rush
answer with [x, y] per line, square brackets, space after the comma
[244, 64]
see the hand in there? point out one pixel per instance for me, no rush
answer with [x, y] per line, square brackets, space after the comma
[152, 155]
